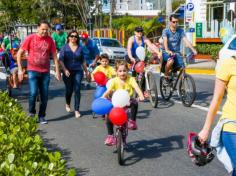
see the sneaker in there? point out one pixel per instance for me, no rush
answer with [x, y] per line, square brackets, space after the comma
[110, 140]
[42, 120]
[68, 108]
[31, 115]
[132, 125]
[77, 114]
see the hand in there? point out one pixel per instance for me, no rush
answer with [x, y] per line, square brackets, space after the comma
[194, 52]
[203, 135]
[141, 98]
[58, 75]
[170, 53]
[67, 73]
[133, 60]
[20, 75]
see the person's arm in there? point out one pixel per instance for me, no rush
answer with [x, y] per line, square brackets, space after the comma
[3, 46]
[129, 47]
[107, 93]
[153, 48]
[85, 68]
[57, 70]
[220, 86]
[18, 59]
[137, 90]
[189, 45]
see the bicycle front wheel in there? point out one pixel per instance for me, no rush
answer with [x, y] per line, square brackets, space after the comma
[187, 90]
[165, 89]
[120, 147]
[153, 93]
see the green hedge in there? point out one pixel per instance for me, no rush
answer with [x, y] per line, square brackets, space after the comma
[21, 149]
[209, 49]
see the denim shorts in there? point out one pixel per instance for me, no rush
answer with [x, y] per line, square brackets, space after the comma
[178, 59]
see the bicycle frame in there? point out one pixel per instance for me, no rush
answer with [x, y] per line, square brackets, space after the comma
[181, 73]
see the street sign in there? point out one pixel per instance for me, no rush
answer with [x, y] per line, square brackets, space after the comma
[189, 9]
[190, 6]
[199, 30]
[191, 29]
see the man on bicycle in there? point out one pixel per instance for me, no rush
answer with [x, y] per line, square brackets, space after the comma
[172, 37]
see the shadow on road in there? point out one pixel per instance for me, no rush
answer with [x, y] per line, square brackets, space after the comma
[203, 98]
[162, 104]
[48, 143]
[152, 149]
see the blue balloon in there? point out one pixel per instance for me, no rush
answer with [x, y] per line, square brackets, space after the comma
[101, 106]
[100, 90]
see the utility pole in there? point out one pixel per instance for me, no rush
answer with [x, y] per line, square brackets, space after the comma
[111, 10]
[168, 10]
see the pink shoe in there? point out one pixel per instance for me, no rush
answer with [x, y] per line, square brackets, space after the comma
[110, 140]
[132, 125]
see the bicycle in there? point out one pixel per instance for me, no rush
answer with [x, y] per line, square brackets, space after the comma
[146, 79]
[181, 78]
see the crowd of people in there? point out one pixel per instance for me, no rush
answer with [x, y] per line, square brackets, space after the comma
[78, 52]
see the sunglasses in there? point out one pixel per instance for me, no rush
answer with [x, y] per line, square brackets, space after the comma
[73, 36]
[174, 21]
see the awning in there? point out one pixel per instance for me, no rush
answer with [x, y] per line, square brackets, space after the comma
[229, 1]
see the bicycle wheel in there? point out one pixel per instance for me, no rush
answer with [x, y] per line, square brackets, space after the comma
[165, 89]
[187, 90]
[153, 93]
[120, 147]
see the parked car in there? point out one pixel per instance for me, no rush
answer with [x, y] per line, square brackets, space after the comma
[112, 47]
[228, 50]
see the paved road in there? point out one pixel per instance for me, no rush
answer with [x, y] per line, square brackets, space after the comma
[157, 148]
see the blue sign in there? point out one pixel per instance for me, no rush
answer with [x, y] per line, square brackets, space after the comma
[190, 6]
[191, 29]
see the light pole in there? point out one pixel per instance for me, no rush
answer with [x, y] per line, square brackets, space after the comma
[168, 10]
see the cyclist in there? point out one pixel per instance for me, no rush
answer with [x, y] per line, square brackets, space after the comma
[139, 40]
[128, 83]
[172, 37]
[59, 36]
[90, 51]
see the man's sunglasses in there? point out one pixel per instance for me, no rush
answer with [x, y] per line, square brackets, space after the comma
[73, 36]
[174, 21]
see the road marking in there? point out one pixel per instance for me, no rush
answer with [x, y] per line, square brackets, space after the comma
[199, 107]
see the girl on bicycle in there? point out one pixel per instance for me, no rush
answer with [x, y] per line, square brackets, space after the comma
[128, 83]
[104, 67]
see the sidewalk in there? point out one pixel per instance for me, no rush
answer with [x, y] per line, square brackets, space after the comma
[199, 66]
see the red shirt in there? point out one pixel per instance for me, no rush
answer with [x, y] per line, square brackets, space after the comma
[39, 51]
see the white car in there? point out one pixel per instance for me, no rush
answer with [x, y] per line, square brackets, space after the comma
[228, 51]
[112, 47]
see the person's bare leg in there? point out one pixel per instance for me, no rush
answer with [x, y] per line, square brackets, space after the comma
[15, 82]
[168, 67]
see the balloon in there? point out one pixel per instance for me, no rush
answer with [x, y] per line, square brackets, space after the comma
[100, 90]
[101, 106]
[100, 78]
[120, 98]
[226, 32]
[139, 67]
[140, 52]
[108, 83]
[118, 116]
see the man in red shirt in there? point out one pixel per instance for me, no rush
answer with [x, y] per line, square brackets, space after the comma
[40, 47]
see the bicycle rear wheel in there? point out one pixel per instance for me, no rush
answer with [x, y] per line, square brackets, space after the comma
[187, 90]
[153, 93]
[120, 147]
[165, 89]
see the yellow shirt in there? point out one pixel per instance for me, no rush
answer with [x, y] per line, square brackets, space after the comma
[108, 70]
[227, 72]
[117, 83]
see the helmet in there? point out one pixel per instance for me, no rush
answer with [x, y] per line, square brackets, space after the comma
[84, 36]
[200, 154]
[58, 27]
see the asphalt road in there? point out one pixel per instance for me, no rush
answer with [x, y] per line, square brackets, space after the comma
[157, 148]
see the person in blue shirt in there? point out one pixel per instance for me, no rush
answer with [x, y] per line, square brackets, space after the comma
[172, 37]
[73, 65]
[90, 51]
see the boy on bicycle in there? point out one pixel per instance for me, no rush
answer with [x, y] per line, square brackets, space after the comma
[172, 37]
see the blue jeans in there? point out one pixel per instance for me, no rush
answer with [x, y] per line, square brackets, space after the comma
[73, 83]
[229, 141]
[38, 82]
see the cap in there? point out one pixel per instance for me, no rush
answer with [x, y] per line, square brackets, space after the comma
[139, 29]
[58, 27]
[15, 46]
[84, 36]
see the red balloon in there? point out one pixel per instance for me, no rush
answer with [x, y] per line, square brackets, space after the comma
[139, 67]
[118, 116]
[100, 78]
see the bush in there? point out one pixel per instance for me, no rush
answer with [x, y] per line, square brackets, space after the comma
[22, 151]
[209, 49]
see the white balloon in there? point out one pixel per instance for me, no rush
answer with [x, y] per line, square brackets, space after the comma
[140, 52]
[108, 83]
[120, 98]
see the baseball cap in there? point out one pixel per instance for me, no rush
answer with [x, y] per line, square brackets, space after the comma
[15, 46]
[139, 29]
[58, 27]
[84, 36]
